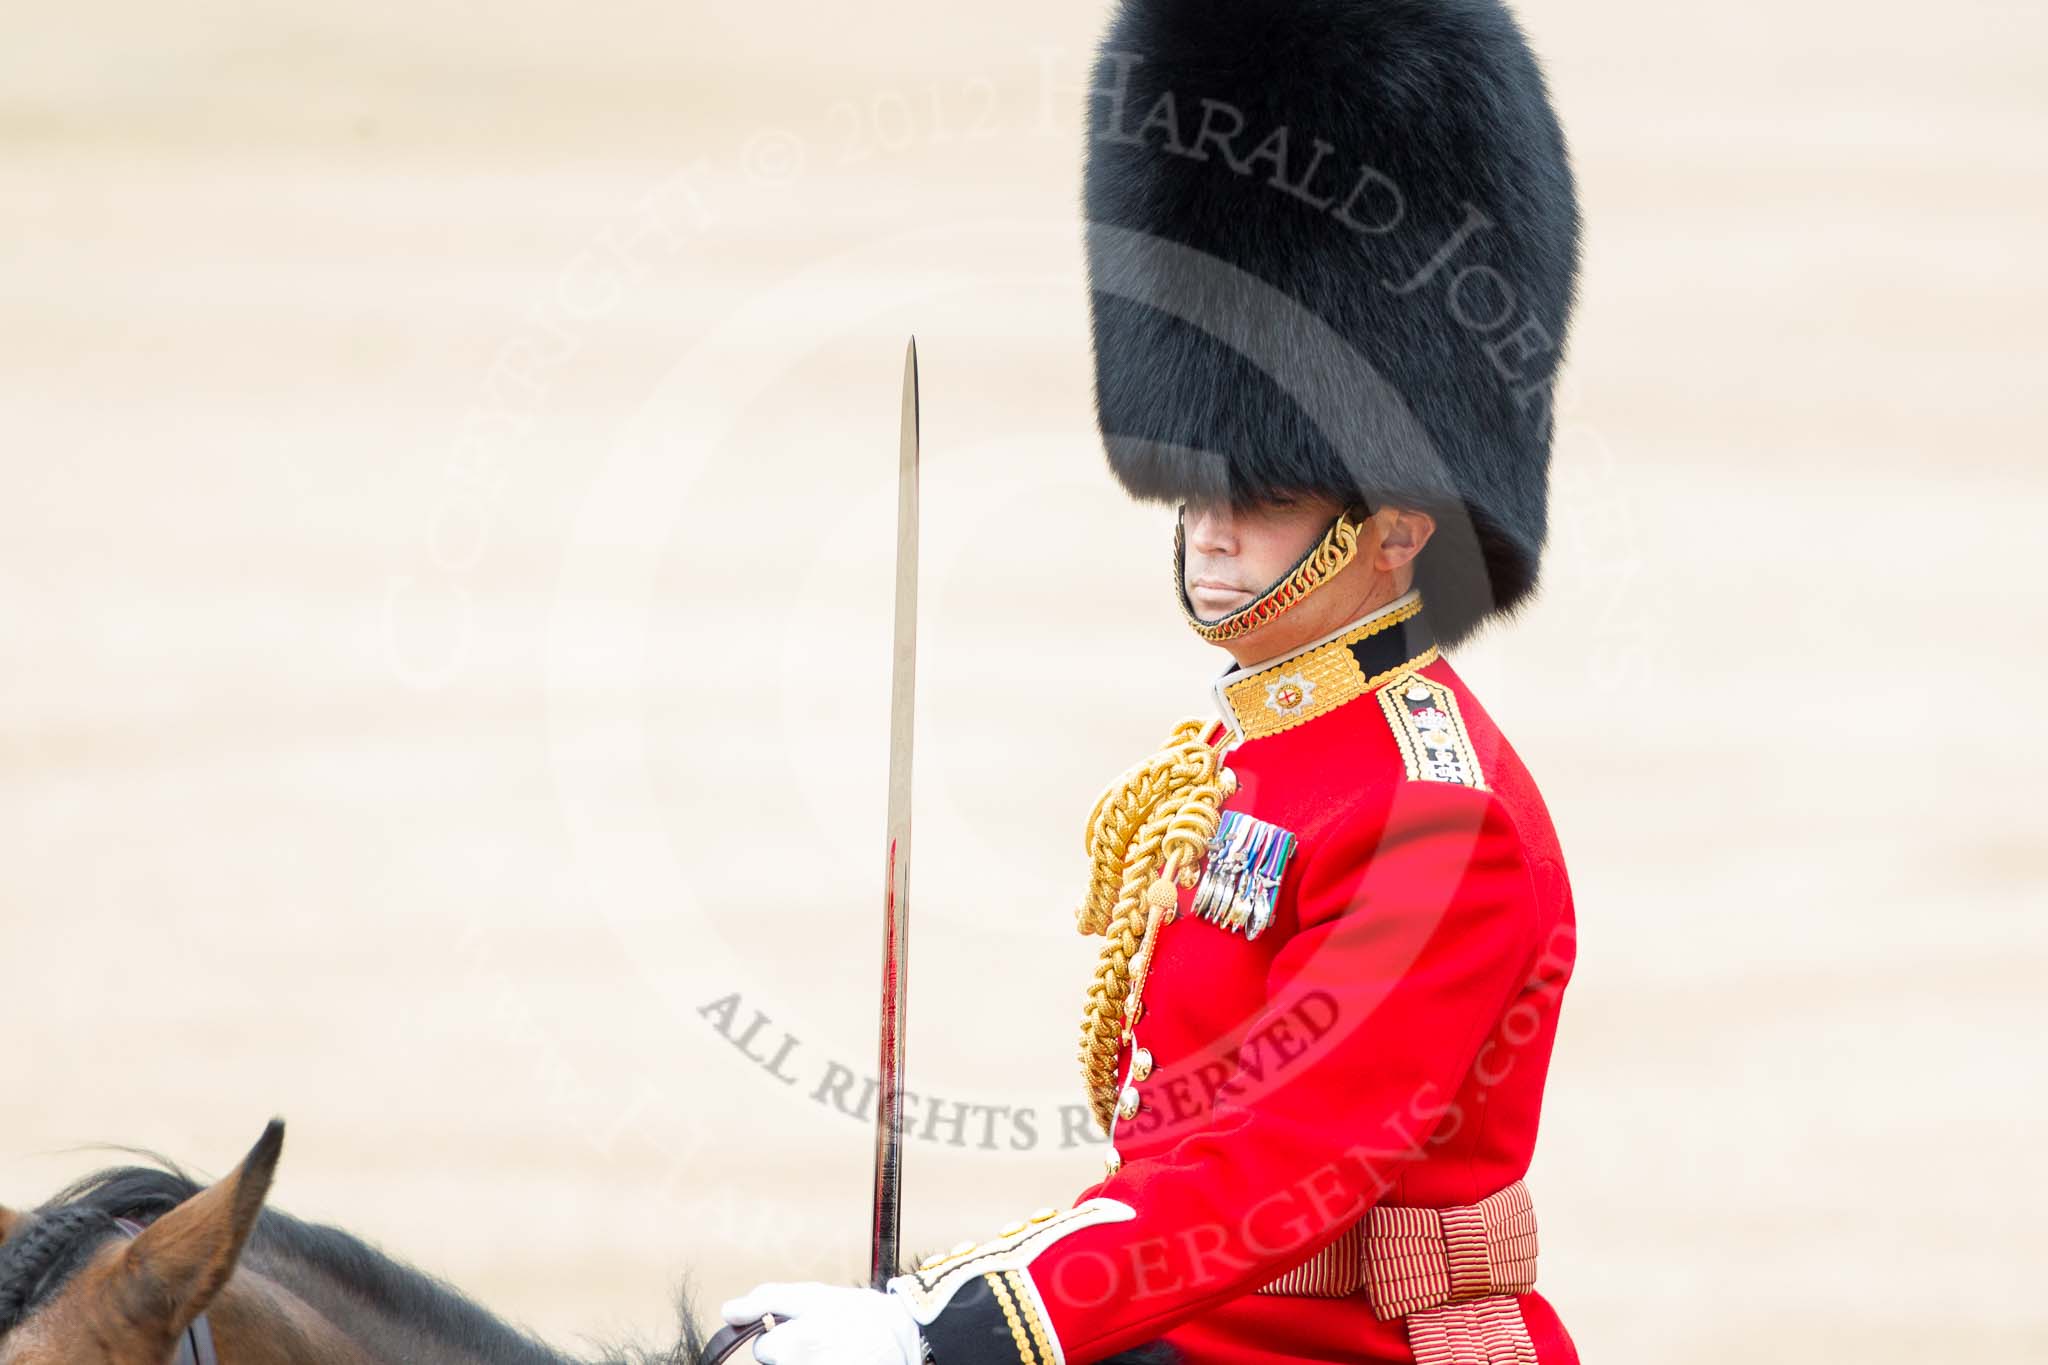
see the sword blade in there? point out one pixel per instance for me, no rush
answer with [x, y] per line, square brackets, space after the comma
[887, 1224]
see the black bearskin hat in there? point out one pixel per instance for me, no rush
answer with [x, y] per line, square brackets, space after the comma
[1331, 249]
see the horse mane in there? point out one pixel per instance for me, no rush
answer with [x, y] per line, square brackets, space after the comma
[40, 1257]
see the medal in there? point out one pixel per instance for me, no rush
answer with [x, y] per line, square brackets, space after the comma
[1240, 885]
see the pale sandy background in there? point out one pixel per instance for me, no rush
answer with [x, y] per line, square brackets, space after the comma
[446, 458]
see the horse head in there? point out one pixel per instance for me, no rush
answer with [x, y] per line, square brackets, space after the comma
[83, 1284]
[137, 1266]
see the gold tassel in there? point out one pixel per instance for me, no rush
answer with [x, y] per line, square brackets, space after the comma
[1146, 836]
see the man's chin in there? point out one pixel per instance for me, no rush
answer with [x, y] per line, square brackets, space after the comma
[1212, 607]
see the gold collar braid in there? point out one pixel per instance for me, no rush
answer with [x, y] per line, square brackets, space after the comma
[1315, 568]
[1147, 834]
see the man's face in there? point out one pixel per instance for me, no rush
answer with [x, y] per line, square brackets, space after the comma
[1233, 555]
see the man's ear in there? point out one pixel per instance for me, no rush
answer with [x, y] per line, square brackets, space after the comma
[9, 1221]
[1407, 530]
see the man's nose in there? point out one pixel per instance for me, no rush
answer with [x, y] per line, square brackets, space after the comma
[1211, 530]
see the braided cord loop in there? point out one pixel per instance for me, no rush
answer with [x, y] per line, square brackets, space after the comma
[1317, 566]
[1147, 834]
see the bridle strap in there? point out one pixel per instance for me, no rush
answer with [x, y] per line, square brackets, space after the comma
[196, 1346]
[195, 1343]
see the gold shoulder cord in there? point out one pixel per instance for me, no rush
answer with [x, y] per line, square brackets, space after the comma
[1147, 835]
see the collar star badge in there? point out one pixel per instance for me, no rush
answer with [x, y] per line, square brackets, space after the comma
[1288, 693]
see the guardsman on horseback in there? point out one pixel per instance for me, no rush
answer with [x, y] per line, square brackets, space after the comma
[1332, 247]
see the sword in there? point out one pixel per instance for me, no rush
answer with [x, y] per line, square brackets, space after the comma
[729, 1344]
[887, 1222]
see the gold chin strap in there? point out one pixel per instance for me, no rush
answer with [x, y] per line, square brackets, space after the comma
[1310, 572]
[1146, 838]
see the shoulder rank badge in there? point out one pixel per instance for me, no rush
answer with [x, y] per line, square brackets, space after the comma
[1240, 884]
[1430, 731]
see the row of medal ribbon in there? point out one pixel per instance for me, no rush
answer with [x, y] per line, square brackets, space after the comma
[1240, 883]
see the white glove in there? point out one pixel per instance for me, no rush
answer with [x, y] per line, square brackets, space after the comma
[823, 1324]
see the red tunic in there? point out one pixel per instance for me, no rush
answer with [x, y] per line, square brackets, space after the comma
[1384, 1040]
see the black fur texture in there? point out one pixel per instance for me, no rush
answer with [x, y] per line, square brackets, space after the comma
[1332, 248]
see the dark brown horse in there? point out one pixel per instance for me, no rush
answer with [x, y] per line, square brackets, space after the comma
[142, 1266]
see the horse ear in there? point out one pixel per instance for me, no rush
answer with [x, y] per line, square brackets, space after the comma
[174, 1267]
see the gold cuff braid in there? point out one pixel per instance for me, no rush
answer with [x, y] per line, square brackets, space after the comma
[1147, 834]
[1314, 569]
